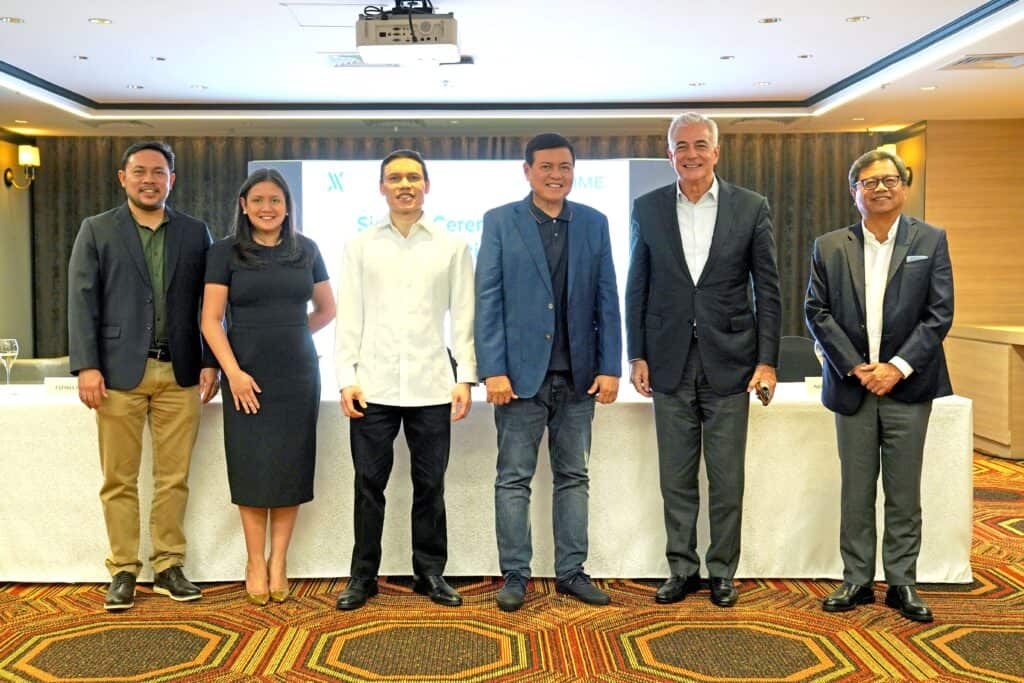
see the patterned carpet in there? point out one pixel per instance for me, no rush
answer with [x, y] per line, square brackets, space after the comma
[776, 633]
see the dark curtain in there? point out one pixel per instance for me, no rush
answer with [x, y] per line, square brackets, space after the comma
[803, 176]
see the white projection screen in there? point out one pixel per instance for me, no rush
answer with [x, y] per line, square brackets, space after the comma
[337, 199]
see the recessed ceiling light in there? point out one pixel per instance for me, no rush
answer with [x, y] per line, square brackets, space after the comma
[198, 86]
[697, 84]
[80, 58]
[806, 55]
[929, 88]
[20, 121]
[100, 21]
[858, 118]
[133, 86]
[769, 20]
[11, 20]
[761, 84]
[857, 19]
[159, 59]
[727, 57]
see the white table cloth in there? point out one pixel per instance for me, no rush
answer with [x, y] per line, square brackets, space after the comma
[51, 525]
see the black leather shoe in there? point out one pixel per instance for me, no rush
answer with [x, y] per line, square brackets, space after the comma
[908, 602]
[438, 590]
[356, 593]
[723, 591]
[847, 597]
[121, 592]
[172, 582]
[579, 586]
[676, 588]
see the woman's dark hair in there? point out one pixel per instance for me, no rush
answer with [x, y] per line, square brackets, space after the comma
[246, 248]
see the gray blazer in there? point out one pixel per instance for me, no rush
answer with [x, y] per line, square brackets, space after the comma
[662, 300]
[917, 313]
[110, 299]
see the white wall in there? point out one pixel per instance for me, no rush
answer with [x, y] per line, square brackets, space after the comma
[15, 256]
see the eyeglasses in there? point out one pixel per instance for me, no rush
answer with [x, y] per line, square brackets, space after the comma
[890, 181]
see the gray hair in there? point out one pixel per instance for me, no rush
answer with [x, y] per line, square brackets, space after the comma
[690, 118]
[868, 158]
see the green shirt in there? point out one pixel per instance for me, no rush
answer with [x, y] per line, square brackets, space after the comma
[153, 251]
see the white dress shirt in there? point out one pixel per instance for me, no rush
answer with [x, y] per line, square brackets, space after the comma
[393, 297]
[697, 226]
[877, 258]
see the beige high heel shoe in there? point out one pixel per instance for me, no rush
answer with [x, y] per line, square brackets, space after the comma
[258, 599]
[281, 596]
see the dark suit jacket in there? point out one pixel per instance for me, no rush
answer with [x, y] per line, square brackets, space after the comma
[736, 331]
[110, 299]
[917, 312]
[515, 318]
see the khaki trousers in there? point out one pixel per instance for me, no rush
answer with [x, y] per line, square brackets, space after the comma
[173, 414]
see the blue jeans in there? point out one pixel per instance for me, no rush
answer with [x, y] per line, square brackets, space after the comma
[520, 427]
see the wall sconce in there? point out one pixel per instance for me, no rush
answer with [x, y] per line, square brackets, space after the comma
[891, 149]
[28, 159]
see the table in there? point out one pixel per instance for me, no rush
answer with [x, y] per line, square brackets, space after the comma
[51, 525]
[986, 364]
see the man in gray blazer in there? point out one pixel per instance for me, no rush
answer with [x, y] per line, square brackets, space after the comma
[134, 284]
[699, 343]
[880, 302]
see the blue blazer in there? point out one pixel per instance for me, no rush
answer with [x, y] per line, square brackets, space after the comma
[515, 317]
[916, 315]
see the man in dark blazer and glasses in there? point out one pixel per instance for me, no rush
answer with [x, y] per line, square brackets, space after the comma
[134, 284]
[880, 302]
[702, 331]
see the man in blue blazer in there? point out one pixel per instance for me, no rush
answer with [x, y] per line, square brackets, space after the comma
[702, 328]
[135, 280]
[880, 302]
[549, 344]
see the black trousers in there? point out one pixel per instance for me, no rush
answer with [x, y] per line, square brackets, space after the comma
[372, 437]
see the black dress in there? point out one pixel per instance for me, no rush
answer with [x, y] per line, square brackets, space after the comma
[271, 454]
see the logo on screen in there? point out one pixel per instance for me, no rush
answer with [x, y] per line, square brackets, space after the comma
[335, 181]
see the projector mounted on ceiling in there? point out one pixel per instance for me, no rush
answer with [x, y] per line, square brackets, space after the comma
[410, 33]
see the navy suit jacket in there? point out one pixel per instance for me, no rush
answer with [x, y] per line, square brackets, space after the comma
[917, 312]
[736, 300]
[110, 298]
[515, 317]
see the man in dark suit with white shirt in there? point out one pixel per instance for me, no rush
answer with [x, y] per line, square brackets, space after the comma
[135, 280]
[702, 327]
[880, 302]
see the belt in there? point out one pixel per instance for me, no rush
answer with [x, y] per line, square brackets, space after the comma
[161, 353]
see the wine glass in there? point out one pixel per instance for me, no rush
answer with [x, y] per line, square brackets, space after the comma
[8, 352]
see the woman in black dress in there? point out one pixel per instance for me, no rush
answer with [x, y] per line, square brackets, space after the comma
[267, 273]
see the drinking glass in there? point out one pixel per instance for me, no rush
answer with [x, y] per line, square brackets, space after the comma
[8, 352]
